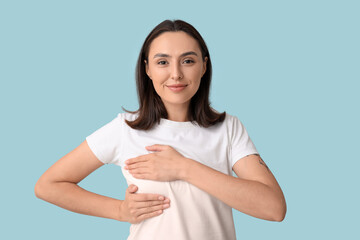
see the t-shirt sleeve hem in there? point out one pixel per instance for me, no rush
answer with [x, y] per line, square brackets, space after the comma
[97, 152]
[244, 154]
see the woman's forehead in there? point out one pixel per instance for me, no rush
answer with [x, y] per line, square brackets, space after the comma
[173, 43]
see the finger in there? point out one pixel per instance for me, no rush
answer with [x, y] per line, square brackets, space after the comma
[141, 158]
[149, 215]
[132, 188]
[149, 204]
[139, 171]
[156, 147]
[146, 210]
[149, 210]
[136, 165]
[143, 197]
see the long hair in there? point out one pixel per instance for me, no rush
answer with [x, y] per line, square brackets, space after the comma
[151, 108]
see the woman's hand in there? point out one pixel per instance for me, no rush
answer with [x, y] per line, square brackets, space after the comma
[138, 207]
[165, 164]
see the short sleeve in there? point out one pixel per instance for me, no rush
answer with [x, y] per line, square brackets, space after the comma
[105, 142]
[241, 144]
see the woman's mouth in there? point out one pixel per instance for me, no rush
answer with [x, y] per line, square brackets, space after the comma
[177, 87]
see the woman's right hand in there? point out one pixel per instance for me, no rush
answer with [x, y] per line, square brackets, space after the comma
[140, 206]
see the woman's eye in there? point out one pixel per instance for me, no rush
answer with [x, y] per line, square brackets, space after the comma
[188, 61]
[162, 62]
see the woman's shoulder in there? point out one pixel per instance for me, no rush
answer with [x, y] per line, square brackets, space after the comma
[230, 119]
[232, 122]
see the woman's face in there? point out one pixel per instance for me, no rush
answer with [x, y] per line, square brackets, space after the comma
[175, 67]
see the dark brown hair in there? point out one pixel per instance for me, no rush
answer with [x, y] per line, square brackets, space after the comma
[151, 108]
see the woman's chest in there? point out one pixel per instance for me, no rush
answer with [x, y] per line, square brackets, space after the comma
[207, 148]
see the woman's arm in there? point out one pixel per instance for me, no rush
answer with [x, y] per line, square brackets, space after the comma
[58, 185]
[255, 191]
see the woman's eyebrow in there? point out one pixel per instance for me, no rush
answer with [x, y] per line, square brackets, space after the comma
[182, 55]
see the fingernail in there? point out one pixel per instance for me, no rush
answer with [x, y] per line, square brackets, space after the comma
[166, 205]
[167, 200]
[126, 167]
[161, 198]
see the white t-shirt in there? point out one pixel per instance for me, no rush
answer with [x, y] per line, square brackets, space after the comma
[193, 213]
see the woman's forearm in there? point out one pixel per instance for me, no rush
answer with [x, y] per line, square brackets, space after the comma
[76, 199]
[250, 197]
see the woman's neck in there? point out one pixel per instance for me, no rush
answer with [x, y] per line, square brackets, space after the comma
[178, 113]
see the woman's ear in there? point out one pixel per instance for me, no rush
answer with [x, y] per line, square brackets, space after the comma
[204, 66]
[147, 68]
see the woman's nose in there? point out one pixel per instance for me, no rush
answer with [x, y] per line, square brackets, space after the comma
[176, 72]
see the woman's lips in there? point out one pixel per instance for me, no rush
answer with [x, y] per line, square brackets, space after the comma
[177, 87]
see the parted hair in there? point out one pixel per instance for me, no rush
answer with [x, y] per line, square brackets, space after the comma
[151, 108]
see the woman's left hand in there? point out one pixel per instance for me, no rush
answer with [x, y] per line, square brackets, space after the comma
[165, 164]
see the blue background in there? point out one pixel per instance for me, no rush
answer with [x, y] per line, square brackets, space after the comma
[288, 69]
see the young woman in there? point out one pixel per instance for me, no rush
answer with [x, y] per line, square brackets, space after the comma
[176, 153]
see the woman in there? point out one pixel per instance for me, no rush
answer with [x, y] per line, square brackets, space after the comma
[176, 153]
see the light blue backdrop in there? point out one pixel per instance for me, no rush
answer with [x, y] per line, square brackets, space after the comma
[288, 69]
